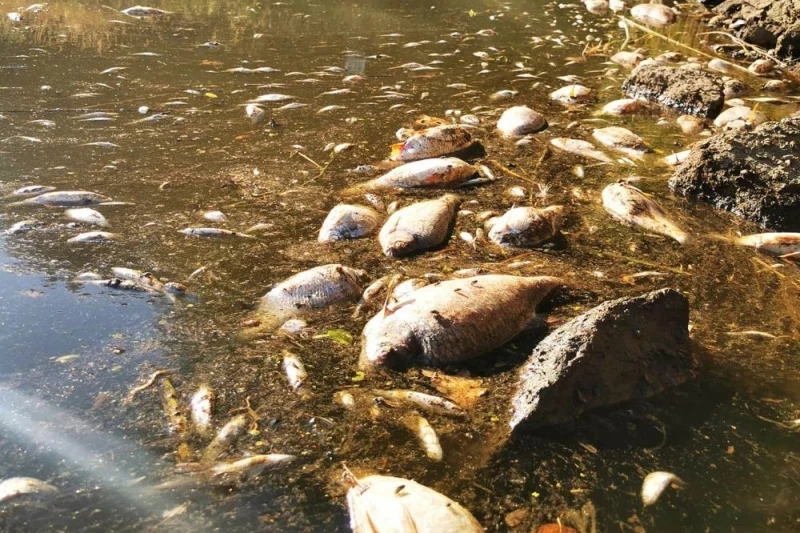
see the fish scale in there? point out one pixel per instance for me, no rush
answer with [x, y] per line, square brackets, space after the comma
[418, 227]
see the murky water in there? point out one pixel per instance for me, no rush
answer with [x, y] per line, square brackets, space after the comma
[70, 353]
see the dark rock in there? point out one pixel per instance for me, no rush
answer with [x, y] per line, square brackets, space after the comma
[772, 24]
[618, 351]
[751, 174]
[690, 92]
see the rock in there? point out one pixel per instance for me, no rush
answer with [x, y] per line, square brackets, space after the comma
[692, 92]
[771, 24]
[618, 351]
[750, 174]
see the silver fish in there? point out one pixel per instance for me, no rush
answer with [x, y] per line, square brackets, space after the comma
[251, 466]
[774, 243]
[436, 172]
[629, 205]
[272, 97]
[656, 15]
[453, 320]
[418, 227]
[67, 199]
[20, 486]
[347, 221]
[295, 370]
[144, 11]
[213, 232]
[87, 215]
[32, 190]
[202, 409]
[423, 401]
[581, 148]
[93, 236]
[22, 226]
[622, 140]
[432, 142]
[525, 226]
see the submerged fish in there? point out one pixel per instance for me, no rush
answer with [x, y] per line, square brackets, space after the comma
[169, 398]
[93, 236]
[32, 190]
[622, 140]
[628, 204]
[580, 147]
[226, 438]
[656, 15]
[453, 321]
[418, 227]
[571, 94]
[383, 503]
[774, 243]
[425, 433]
[213, 232]
[251, 466]
[432, 142]
[144, 11]
[202, 409]
[87, 215]
[624, 106]
[436, 172]
[19, 486]
[349, 222]
[295, 370]
[22, 226]
[655, 483]
[67, 199]
[520, 120]
[425, 402]
[525, 227]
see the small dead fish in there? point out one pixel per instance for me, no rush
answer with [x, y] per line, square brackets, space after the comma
[329, 108]
[251, 466]
[624, 106]
[629, 205]
[774, 243]
[627, 59]
[215, 216]
[503, 95]
[426, 402]
[32, 190]
[426, 435]
[690, 124]
[520, 120]
[655, 15]
[255, 113]
[752, 333]
[581, 148]
[272, 97]
[432, 142]
[144, 11]
[739, 117]
[67, 199]
[101, 144]
[87, 215]
[93, 236]
[15, 487]
[225, 439]
[337, 92]
[721, 66]
[295, 370]
[42, 122]
[112, 70]
[571, 94]
[261, 226]
[213, 232]
[677, 158]
[384, 503]
[169, 399]
[526, 227]
[347, 221]
[622, 140]
[22, 226]
[435, 173]
[115, 283]
[418, 227]
[202, 409]
[655, 483]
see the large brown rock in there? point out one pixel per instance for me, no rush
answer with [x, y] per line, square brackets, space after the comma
[751, 174]
[688, 91]
[620, 350]
[771, 24]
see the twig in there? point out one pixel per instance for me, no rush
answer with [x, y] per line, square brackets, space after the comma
[643, 262]
[146, 385]
[304, 156]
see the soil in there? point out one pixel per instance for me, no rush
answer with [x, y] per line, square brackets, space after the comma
[751, 174]
[618, 351]
[771, 24]
[689, 92]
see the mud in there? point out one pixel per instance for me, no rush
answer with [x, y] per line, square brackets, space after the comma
[689, 92]
[750, 174]
[771, 24]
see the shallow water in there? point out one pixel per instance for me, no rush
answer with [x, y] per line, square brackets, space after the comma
[67, 420]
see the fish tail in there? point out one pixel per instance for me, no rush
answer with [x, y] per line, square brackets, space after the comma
[267, 324]
[358, 189]
[397, 148]
[720, 237]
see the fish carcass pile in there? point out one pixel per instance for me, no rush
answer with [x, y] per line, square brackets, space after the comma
[427, 321]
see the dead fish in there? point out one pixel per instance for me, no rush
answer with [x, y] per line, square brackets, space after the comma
[425, 433]
[225, 439]
[721, 66]
[773, 243]
[347, 221]
[580, 147]
[623, 106]
[655, 483]
[453, 321]
[272, 97]
[116, 283]
[251, 466]
[42, 122]
[425, 402]
[112, 70]
[20, 486]
[144, 11]
[213, 232]
[384, 503]
[215, 216]
[739, 117]
[525, 227]
[169, 398]
[596, 7]
[329, 108]
[418, 227]
[655, 15]
[295, 370]
[22, 226]
[432, 142]
[32, 190]
[255, 113]
[503, 95]
[87, 215]
[437, 173]
[93, 236]
[677, 158]
[690, 124]
[622, 140]
[761, 67]
[143, 278]
[571, 94]
[67, 199]
[629, 205]
[202, 409]
[520, 120]
[627, 59]
[102, 144]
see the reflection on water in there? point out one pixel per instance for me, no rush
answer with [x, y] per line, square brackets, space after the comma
[73, 81]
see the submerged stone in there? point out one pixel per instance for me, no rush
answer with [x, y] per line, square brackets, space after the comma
[691, 92]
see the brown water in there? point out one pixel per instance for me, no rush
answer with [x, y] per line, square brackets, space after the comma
[66, 420]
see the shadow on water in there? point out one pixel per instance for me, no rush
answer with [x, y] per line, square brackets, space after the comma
[71, 353]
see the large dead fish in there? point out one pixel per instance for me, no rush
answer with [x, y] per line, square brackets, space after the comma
[347, 221]
[418, 227]
[453, 321]
[628, 204]
[656, 15]
[432, 142]
[520, 120]
[20, 486]
[581, 148]
[622, 140]
[525, 227]
[382, 504]
[435, 173]
[87, 215]
[66, 199]
[316, 288]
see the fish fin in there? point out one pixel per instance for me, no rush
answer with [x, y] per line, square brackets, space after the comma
[397, 148]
